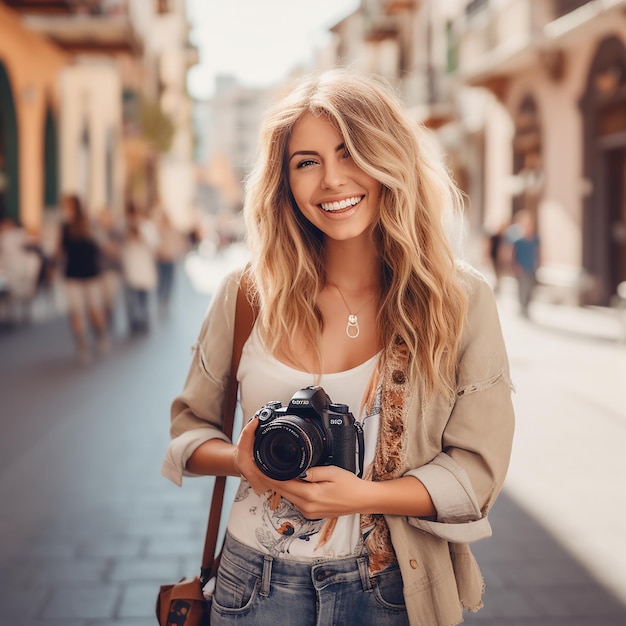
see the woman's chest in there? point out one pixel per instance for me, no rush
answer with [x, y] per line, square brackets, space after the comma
[264, 378]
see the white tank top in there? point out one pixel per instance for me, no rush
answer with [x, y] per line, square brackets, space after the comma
[284, 532]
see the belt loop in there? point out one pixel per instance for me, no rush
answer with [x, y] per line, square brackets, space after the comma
[266, 577]
[365, 573]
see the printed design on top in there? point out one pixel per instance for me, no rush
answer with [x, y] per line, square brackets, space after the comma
[280, 525]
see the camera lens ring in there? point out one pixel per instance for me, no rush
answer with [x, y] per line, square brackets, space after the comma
[287, 446]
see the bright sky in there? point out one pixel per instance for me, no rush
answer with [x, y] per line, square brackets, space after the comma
[257, 41]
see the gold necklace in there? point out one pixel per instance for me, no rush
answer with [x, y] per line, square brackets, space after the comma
[352, 327]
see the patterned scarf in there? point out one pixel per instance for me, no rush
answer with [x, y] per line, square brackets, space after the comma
[388, 460]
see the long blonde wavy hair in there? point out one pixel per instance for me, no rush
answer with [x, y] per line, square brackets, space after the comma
[422, 300]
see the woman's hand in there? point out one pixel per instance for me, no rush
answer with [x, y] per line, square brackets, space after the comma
[328, 491]
[243, 460]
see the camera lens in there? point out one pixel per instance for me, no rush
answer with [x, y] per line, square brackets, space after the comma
[284, 450]
[287, 446]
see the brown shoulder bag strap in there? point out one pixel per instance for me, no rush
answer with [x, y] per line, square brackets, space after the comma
[244, 319]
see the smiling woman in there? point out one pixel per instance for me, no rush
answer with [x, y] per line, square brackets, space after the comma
[357, 297]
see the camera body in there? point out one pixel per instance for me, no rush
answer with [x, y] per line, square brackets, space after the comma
[310, 431]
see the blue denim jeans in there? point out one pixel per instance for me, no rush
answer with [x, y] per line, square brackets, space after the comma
[255, 588]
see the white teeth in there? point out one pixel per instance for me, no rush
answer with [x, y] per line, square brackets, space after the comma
[342, 204]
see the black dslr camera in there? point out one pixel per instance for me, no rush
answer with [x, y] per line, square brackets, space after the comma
[310, 431]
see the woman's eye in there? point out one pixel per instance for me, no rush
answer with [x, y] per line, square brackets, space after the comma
[345, 155]
[306, 163]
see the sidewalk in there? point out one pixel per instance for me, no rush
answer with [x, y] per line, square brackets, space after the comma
[606, 324]
[556, 557]
[89, 528]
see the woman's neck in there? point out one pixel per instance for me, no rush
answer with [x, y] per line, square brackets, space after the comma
[353, 266]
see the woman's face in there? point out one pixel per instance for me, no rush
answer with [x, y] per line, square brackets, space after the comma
[335, 195]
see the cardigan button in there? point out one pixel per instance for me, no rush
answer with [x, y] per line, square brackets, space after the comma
[398, 377]
[413, 563]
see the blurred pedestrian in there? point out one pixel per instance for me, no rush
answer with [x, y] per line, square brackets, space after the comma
[495, 241]
[357, 291]
[525, 256]
[83, 290]
[139, 269]
[170, 249]
[110, 237]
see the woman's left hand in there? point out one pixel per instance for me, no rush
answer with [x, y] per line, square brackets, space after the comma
[326, 491]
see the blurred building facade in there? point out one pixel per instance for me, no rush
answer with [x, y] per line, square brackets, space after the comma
[528, 100]
[235, 113]
[99, 90]
[227, 126]
[558, 69]
[29, 116]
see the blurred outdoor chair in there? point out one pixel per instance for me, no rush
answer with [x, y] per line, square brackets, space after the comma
[18, 287]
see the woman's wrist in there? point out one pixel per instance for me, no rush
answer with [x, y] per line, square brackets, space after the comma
[214, 457]
[400, 496]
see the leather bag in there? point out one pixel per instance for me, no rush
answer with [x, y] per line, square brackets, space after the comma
[183, 603]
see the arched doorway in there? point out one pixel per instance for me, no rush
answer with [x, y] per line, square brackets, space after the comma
[603, 108]
[50, 164]
[9, 163]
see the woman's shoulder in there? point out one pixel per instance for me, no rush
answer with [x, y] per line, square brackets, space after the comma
[224, 294]
[482, 309]
[481, 301]
[471, 279]
[228, 284]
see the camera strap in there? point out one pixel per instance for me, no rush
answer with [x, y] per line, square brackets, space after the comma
[244, 320]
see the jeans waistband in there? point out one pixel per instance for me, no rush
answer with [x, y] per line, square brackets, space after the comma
[294, 573]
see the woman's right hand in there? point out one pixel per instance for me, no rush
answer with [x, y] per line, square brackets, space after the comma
[244, 463]
[217, 457]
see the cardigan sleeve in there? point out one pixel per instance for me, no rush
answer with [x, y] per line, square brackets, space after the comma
[196, 414]
[466, 477]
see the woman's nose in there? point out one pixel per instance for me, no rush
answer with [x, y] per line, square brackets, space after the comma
[334, 176]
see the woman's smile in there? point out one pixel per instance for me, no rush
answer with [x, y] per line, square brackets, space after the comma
[341, 205]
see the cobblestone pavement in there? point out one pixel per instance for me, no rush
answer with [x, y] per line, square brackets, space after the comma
[89, 528]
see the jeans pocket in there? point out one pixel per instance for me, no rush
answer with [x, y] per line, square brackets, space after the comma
[388, 589]
[236, 589]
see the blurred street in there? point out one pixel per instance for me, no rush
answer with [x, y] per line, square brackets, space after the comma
[89, 529]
